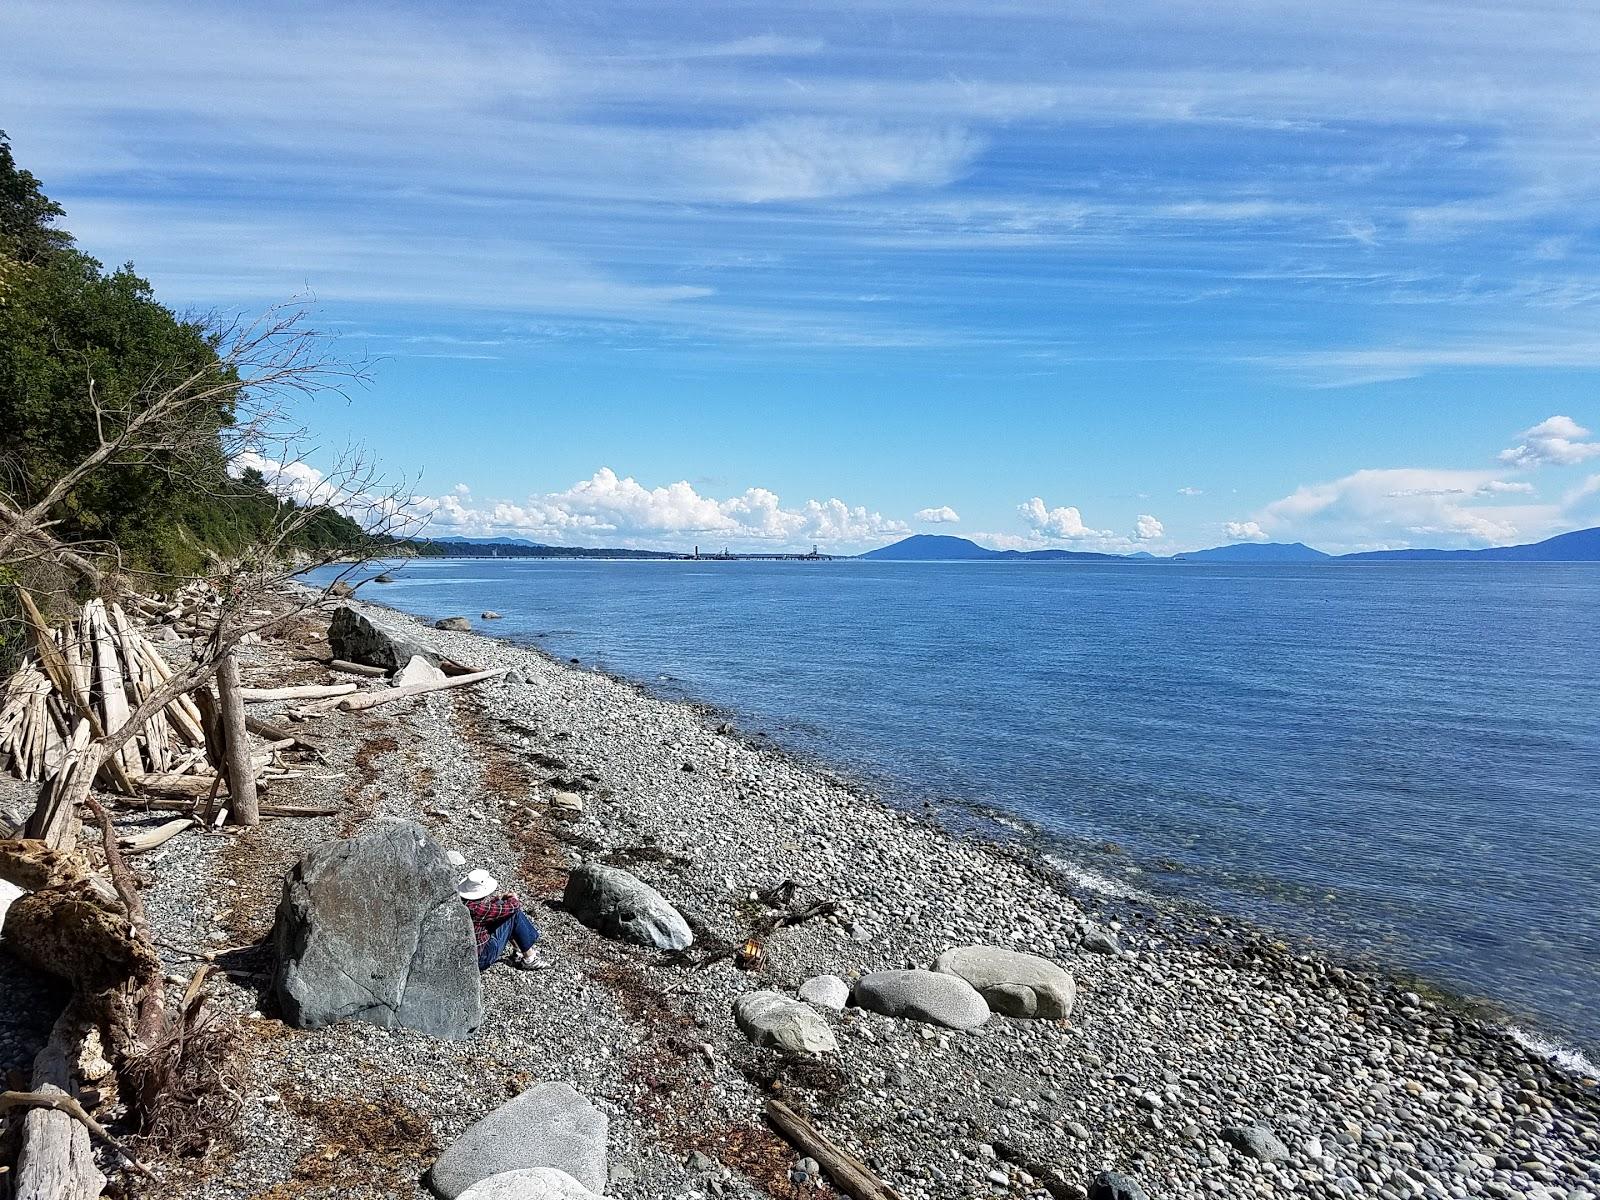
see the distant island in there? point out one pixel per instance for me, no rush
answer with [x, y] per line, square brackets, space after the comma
[1582, 545]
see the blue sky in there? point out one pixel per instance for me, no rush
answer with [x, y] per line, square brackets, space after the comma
[1102, 275]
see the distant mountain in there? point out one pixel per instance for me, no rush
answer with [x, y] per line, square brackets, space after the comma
[930, 547]
[941, 547]
[1255, 552]
[1582, 545]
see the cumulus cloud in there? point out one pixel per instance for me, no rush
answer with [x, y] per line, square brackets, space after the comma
[620, 510]
[1147, 528]
[1064, 524]
[943, 515]
[298, 481]
[1245, 531]
[1558, 441]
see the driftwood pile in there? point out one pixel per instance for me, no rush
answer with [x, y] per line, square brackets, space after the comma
[48, 715]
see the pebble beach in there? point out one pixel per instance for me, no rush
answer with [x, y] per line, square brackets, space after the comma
[1201, 1056]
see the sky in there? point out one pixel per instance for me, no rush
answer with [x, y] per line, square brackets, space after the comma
[1106, 276]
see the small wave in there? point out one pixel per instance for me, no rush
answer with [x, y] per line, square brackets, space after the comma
[1094, 881]
[1568, 1059]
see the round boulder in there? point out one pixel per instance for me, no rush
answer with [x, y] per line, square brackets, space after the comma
[537, 1183]
[1013, 983]
[826, 991]
[625, 907]
[770, 1019]
[922, 996]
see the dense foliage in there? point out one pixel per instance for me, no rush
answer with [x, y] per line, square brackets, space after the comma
[64, 322]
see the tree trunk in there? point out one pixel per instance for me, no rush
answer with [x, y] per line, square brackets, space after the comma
[241, 771]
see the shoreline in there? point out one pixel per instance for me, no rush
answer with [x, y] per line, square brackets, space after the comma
[1014, 835]
[1189, 1026]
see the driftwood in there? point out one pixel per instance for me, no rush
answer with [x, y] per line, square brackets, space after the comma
[849, 1174]
[373, 699]
[140, 843]
[190, 805]
[236, 742]
[311, 691]
[281, 733]
[56, 1161]
[352, 668]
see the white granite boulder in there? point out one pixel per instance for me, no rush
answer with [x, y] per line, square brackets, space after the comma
[1013, 983]
[536, 1183]
[625, 907]
[549, 1125]
[418, 670]
[922, 996]
[826, 991]
[770, 1019]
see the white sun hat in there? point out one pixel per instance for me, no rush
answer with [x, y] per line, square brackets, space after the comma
[478, 884]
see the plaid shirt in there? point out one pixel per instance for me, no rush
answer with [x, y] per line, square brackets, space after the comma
[489, 912]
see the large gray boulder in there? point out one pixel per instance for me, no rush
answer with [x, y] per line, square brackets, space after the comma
[625, 907]
[770, 1019]
[549, 1125]
[356, 637]
[370, 929]
[537, 1183]
[1011, 982]
[922, 996]
[1257, 1141]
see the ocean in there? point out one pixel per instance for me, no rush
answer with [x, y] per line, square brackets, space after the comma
[1399, 761]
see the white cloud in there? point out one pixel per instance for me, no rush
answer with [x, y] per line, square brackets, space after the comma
[1147, 528]
[1191, 491]
[1558, 441]
[619, 510]
[298, 481]
[1064, 524]
[943, 515]
[1245, 531]
[803, 158]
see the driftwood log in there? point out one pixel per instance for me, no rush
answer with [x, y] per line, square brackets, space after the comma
[373, 699]
[849, 1174]
[56, 1161]
[353, 668]
[310, 691]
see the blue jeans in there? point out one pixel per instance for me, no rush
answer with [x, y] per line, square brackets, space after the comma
[515, 928]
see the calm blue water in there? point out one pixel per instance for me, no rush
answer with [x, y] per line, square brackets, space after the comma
[1401, 759]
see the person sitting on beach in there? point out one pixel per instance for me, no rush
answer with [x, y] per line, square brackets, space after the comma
[497, 917]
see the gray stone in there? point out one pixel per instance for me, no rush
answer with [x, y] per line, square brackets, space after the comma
[370, 929]
[489, 614]
[536, 1183]
[418, 670]
[1109, 1185]
[1257, 1141]
[356, 637]
[549, 1125]
[770, 1019]
[826, 991]
[1013, 983]
[922, 996]
[1101, 941]
[384, 578]
[454, 625]
[623, 906]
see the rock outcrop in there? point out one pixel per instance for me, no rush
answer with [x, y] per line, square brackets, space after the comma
[356, 637]
[1011, 982]
[922, 996]
[770, 1019]
[370, 929]
[624, 907]
[549, 1125]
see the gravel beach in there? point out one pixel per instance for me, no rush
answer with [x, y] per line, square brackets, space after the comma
[1200, 1057]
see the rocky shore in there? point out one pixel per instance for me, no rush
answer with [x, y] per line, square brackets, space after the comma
[1198, 1058]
